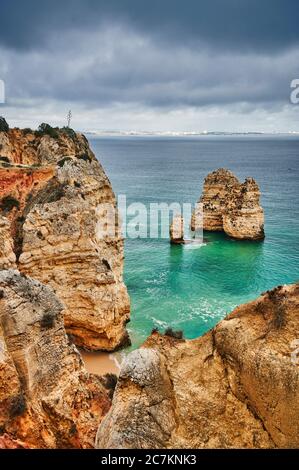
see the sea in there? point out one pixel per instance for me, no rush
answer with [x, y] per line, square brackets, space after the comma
[192, 287]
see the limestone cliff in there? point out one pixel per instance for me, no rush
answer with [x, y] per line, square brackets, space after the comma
[54, 194]
[47, 399]
[7, 255]
[234, 387]
[230, 206]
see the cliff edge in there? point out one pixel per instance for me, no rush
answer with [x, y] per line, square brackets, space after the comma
[235, 387]
[53, 192]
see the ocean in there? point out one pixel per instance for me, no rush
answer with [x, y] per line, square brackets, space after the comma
[191, 288]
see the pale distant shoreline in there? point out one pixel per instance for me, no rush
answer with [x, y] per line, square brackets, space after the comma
[120, 133]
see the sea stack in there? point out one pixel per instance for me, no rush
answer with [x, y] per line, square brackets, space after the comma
[231, 206]
[176, 231]
[53, 192]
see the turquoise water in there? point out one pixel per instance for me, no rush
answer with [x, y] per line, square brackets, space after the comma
[190, 287]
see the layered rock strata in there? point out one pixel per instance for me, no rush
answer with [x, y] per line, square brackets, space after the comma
[56, 197]
[235, 387]
[47, 399]
[230, 206]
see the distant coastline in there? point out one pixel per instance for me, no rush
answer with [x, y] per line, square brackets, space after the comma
[133, 133]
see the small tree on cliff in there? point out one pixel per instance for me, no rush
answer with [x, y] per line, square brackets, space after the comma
[46, 129]
[4, 127]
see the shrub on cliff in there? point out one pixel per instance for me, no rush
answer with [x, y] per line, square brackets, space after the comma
[70, 132]
[46, 129]
[4, 127]
[63, 161]
[18, 406]
[8, 203]
[47, 321]
[4, 160]
[27, 130]
[85, 157]
[174, 334]
[109, 381]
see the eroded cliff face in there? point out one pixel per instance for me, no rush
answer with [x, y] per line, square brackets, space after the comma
[230, 206]
[7, 255]
[47, 399]
[234, 387]
[54, 192]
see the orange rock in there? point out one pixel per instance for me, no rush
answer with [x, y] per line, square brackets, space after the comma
[230, 206]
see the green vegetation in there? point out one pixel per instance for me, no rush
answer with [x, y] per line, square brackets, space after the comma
[27, 130]
[43, 129]
[17, 406]
[174, 334]
[85, 157]
[46, 129]
[8, 203]
[63, 161]
[47, 321]
[110, 381]
[4, 159]
[73, 430]
[4, 127]
[70, 132]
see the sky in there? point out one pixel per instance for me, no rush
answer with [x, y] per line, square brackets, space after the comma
[148, 65]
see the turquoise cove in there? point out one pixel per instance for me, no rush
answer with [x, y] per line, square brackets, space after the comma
[192, 287]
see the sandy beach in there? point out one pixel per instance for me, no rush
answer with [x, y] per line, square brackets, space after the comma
[101, 363]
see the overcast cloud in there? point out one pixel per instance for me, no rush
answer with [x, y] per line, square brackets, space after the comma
[170, 65]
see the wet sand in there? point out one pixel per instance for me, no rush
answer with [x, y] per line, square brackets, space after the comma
[101, 363]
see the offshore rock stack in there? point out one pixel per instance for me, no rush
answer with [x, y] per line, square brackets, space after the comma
[230, 206]
[176, 232]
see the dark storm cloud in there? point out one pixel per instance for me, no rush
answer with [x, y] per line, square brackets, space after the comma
[260, 25]
[117, 65]
[223, 57]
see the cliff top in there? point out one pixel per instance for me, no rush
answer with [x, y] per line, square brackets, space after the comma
[46, 145]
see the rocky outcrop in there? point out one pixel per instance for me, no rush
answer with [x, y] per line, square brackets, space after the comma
[244, 217]
[235, 387]
[56, 197]
[6, 442]
[176, 230]
[230, 206]
[47, 399]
